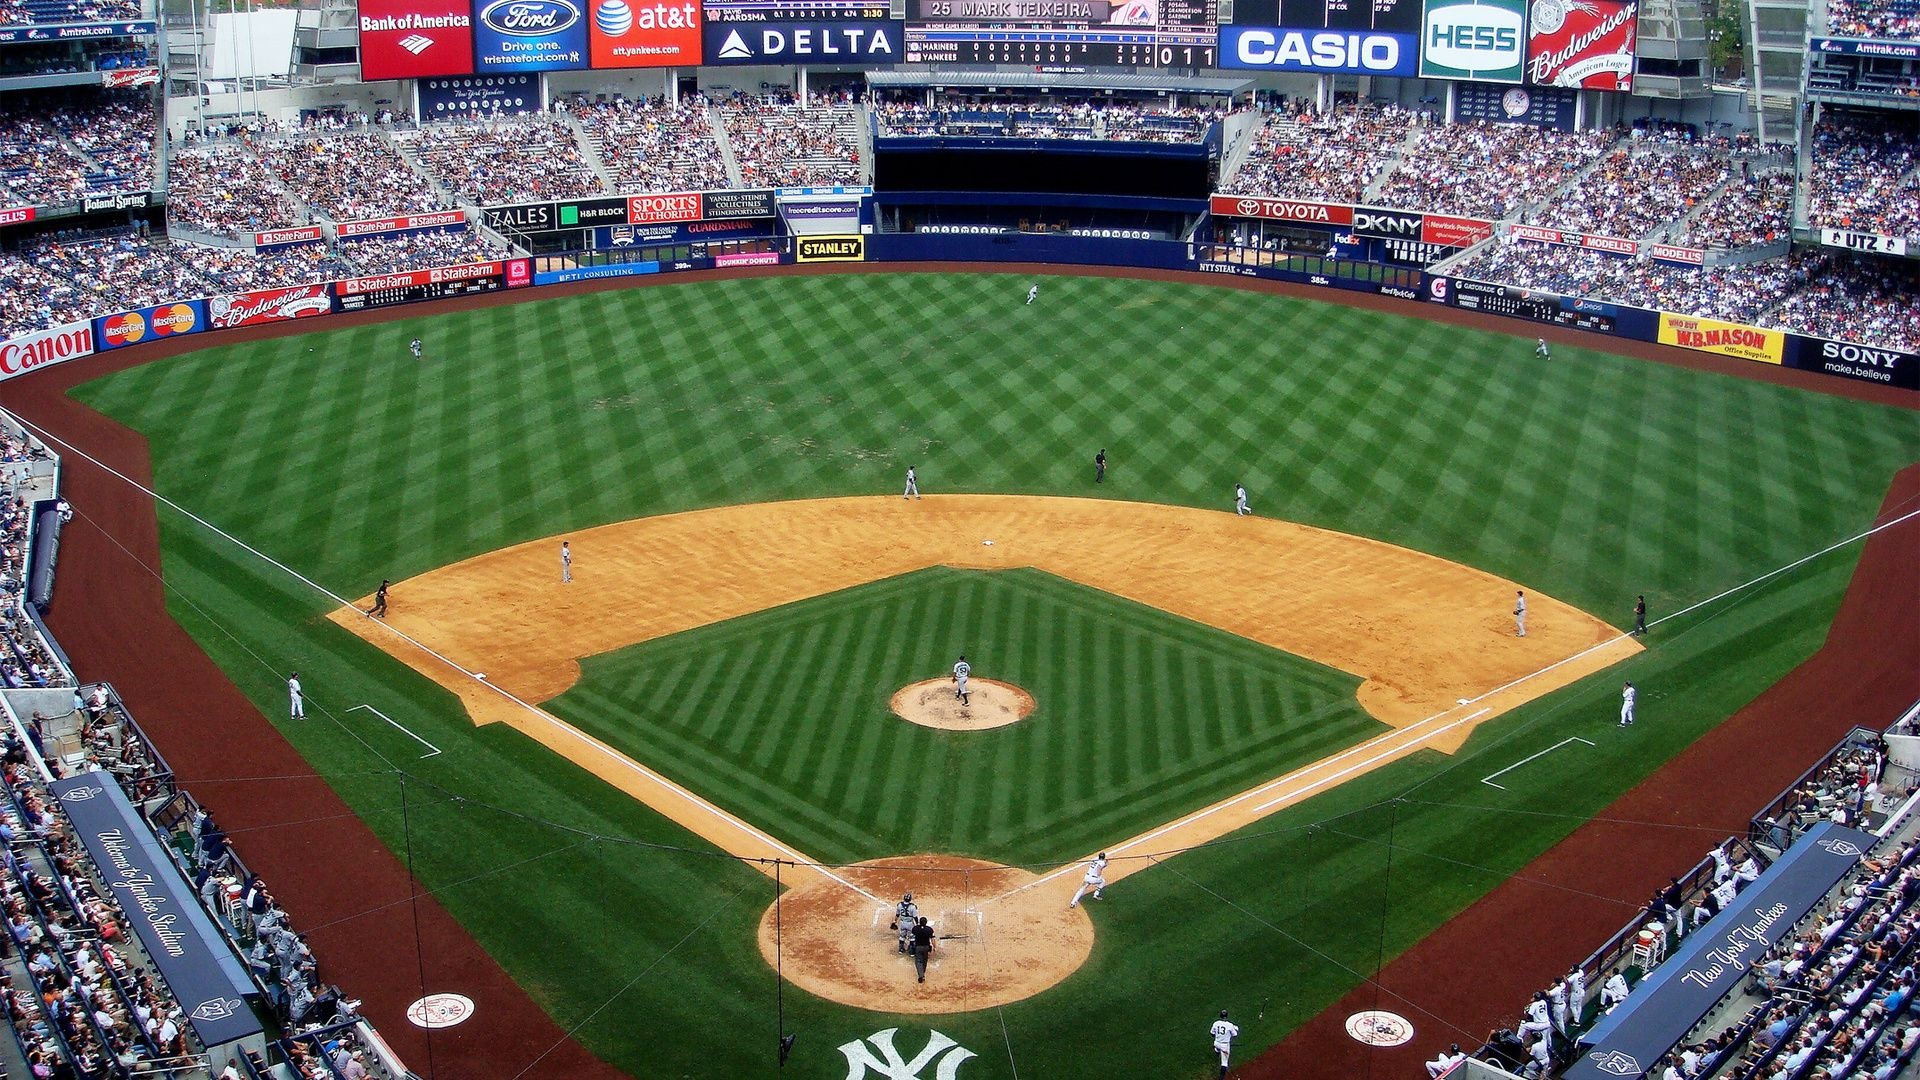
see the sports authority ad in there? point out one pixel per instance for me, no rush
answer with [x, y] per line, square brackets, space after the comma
[383, 290]
[654, 209]
[478, 95]
[637, 34]
[845, 41]
[45, 348]
[1728, 339]
[267, 305]
[1864, 241]
[439, 221]
[409, 39]
[529, 35]
[149, 323]
[1586, 44]
[1474, 39]
[1255, 206]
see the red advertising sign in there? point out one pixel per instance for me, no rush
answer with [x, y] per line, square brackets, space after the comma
[1582, 43]
[267, 305]
[648, 209]
[409, 278]
[519, 273]
[748, 258]
[1454, 231]
[644, 33]
[130, 77]
[16, 215]
[1536, 233]
[373, 226]
[1254, 206]
[29, 351]
[408, 39]
[1670, 253]
[1610, 243]
[305, 234]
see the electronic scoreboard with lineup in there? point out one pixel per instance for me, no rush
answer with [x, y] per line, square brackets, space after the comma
[1074, 33]
[718, 11]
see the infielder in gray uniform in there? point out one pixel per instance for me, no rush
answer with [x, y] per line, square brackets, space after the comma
[961, 670]
[1519, 614]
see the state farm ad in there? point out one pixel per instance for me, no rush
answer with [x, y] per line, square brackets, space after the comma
[1582, 43]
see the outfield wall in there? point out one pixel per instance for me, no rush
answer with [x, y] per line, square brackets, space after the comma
[193, 315]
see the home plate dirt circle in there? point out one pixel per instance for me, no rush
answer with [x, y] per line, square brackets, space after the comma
[990, 704]
[996, 946]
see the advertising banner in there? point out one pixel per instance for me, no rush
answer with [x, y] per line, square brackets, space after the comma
[1381, 223]
[1614, 244]
[529, 35]
[838, 41]
[16, 215]
[589, 273]
[149, 323]
[130, 77]
[1458, 232]
[406, 287]
[480, 95]
[267, 305]
[748, 258]
[731, 205]
[1586, 44]
[1848, 360]
[607, 236]
[408, 39]
[644, 34]
[830, 249]
[118, 200]
[1685, 256]
[588, 213]
[520, 218]
[1898, 50]
[1727, 339]
[439, 219]
[648, 209]
[829, 209]
[277, 239]
[1323, 52]
[45, 348]
[519, 273]
[1534, 305]
[1474, 39]
[1864, 241]
[75, 32]
[1255, 206]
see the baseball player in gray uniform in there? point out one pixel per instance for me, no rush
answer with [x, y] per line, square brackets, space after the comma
[297, 699]
[905, 914]
[961, 669]
[1240, 500]
[566, 562]
[1519, 613]
[1095, 880]
[913, 485]
[1627, 694]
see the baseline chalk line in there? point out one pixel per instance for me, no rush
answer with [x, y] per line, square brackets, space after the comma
[1488, 780]
[403, 728]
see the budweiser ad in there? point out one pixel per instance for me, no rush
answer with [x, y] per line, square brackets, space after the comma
[1586, 44]
[45, 348]
[267, 305]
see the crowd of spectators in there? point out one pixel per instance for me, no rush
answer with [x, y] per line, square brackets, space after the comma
[506, 159]
[26, 12]
[1635, 189]
[1486, 170]
[57, 147]
[34, 298]
[1873, 19]
[1873, 301]
[1297, 154]
[128, 270]
[778, 143]
[1755, 207]
[1863, 178]
[409, 251]
[347, 175]
[243, 269]
[1098, 119]
[226, 191]
[653, 146]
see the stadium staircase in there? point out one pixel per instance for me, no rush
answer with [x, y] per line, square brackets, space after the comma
[443, 195]
[1242, 131]
[1371, 195]
[590, 148]
[863, 120]
[719, 126]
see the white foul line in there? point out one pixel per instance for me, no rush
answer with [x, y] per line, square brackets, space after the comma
[397, 724]
[1488, 780]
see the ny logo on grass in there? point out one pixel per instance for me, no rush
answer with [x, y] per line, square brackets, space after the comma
[860, 1059]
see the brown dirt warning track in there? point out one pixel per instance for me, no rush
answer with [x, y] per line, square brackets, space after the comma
[331, 873]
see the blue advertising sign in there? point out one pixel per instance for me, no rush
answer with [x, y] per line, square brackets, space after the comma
[75, 32]
[529, 35]
[477, 95]
[588, 273]
[838, 41]
[196, 962]
[1899, 50]
[1324, 52]
[147, 323]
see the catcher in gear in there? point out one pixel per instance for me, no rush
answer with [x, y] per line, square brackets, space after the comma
[905, 914]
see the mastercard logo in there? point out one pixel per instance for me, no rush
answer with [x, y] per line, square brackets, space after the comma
[125, 328]
[130, 327]
[174, 319]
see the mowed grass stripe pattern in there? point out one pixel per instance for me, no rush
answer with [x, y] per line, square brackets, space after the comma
[1591, 477]
[783, 716]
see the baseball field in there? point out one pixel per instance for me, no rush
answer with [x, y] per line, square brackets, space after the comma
[1281, 726]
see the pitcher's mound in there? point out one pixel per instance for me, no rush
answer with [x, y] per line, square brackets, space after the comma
[990, 704]
[993, 948]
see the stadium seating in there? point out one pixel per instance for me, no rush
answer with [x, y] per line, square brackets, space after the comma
[653, 146]
[777, 143]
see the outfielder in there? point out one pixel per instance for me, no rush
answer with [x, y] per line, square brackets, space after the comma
[566, 562]
[1223, 1031]
[1095, 880]
[1542, 351]
[1627, 694]
[905, 914]
[297, 701]
[1519, 613]
[1033, 291]
[913, 484]
[961, 669]
[1240, 500]
[414, 346]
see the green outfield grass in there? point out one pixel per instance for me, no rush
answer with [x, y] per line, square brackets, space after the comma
[1591, 477]
[782, 716]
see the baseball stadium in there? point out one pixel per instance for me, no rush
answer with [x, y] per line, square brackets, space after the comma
[938, 540]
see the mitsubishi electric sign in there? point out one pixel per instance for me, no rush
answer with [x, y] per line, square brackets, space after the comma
[798, 41]
[1474, 39]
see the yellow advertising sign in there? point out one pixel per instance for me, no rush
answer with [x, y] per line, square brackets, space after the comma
[1727, 339]
[832, 249]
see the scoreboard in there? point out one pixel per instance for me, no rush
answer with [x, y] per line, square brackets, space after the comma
[752, 11]
[1066, 33]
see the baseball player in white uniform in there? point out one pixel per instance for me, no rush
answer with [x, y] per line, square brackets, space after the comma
[1223, 1031]
[297, 703]
[1519, 614]
[1542, 351]
[1033, 291]
[913, 485]
[905, 914]
[1095, 880]
[961, 669]
[1627, 694]
[566, 562]
[414, 345]
[1240, 500]
[1536, 1025]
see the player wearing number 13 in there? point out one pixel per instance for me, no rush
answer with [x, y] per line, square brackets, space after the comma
[1223, 1032]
